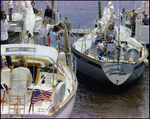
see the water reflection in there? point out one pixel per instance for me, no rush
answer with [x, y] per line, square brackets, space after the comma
[94, 100]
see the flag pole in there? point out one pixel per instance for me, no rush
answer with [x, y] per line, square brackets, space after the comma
[31, 102]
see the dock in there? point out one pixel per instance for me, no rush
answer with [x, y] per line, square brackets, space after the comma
[81, 31]
[73, 31]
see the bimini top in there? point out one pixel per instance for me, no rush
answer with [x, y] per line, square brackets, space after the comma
[29, 50]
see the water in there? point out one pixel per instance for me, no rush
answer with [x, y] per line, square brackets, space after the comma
[81, 13]
[92, 100]
[96, 101]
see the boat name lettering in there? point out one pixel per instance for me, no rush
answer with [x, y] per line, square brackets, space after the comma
[115, 73]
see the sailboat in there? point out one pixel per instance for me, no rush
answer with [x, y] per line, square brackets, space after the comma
[59, 80]
[19, 15]
[125, 67]
[53, 90]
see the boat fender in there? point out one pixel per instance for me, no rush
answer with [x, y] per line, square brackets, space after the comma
[48, 63]
[41, 11]
[146, 62]
[62, 57]
[127, 54]
[2, 100]
[59, 94]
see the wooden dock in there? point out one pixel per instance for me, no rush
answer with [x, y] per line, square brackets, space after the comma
[81, 30]
[74, 31]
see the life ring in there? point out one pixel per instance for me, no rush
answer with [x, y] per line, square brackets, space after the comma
[2, 100]
[128, 13]
[127, 54]
[59, 94]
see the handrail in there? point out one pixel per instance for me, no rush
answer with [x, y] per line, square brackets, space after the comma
[96, 55]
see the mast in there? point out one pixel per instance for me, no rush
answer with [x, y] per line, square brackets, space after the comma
[147, 6]
[99, 8]
[118, 37]
[135, 6]
[18, 8]
[52, 5]
[67, 41]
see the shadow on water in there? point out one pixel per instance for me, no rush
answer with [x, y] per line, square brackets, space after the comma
[93, 85]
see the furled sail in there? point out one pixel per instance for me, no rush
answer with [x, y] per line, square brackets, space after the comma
[105, 20]
[144, 7]
[20, 3]
[29, 19]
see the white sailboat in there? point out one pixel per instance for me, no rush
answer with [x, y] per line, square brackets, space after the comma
[60, 82]
[115, 72]
[17, 16]
[50, 73]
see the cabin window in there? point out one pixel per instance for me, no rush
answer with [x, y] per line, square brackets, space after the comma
[16, 49]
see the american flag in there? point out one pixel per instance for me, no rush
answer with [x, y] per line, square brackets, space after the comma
[40, 95]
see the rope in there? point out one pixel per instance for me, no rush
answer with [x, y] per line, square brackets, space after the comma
[11, 34]
[14, 39]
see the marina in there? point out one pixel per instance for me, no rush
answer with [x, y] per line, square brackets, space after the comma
[94, 99]
[37, 77]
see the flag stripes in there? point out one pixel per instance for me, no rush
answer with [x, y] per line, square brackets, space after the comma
[40, 95]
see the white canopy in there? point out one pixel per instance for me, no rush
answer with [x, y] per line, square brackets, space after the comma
[29, 50]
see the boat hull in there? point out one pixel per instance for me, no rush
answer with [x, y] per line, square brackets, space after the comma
[93, 69]
[65, 107]
[66, 111]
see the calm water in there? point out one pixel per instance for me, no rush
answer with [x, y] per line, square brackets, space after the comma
[96, 101]
[81, 13]
[93, 100]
